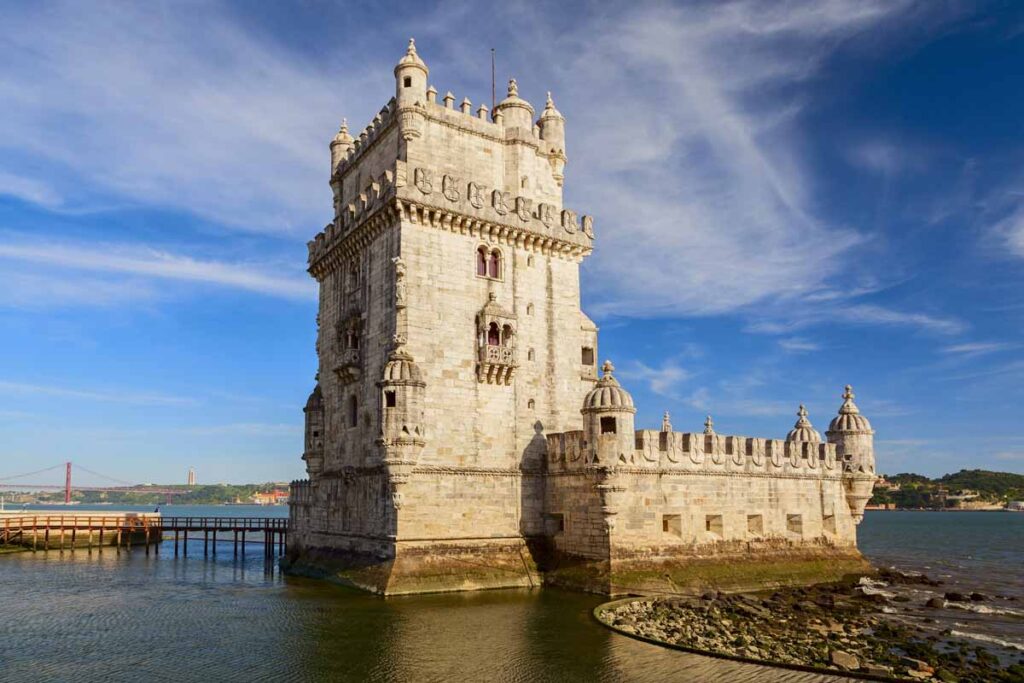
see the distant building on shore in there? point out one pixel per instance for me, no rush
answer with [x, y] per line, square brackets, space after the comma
[461, 435]
[276, 497]
[191, 477]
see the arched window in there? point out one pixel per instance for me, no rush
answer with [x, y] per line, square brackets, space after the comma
[531, 404]
[493, 335]
[353, 411]
[481, 262]
[506, 335]
[494, 264]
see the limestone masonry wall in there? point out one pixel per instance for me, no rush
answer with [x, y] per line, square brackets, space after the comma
[459, 434]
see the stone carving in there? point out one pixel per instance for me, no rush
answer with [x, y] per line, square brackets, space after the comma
[588, 226]
[399, 282]
[524, 208]
[546, 213]
[424, 180]
[449, 188]
[475, 193]
[569, 221]
[500, 200]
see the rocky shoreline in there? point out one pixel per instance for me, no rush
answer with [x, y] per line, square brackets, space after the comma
[851, 627]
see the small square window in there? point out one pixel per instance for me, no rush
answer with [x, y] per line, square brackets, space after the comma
[554, 523]
[795, 524]
[672, 525]
[828, 523]
[713, 525]
[389, 399]
[608, 425]
[755, 525]
[407, 82]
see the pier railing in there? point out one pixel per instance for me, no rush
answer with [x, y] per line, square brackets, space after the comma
[149, 529]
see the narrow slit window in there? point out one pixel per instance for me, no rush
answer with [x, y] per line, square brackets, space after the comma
[390, 399]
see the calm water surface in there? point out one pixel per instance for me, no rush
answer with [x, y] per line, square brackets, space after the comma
[127, 617]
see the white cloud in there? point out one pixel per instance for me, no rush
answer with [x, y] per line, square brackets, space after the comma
[29, 190]
[146, 263]
[94, 395]
[870, 314]
[798, 345]
[976, 348]
[663, 381]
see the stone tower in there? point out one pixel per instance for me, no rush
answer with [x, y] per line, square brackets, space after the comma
[450, 338]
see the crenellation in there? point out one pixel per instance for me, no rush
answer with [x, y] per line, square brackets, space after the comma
[459, 434]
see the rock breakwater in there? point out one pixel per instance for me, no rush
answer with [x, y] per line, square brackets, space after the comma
[851, 627]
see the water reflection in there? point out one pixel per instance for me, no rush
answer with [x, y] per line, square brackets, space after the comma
[129, 617]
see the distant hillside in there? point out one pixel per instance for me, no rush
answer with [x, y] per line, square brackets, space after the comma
[962, 489]
[190, 495]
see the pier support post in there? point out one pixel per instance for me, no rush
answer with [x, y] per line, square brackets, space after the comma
[206, 542]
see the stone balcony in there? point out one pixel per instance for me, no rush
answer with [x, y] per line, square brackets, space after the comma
[349, 365]
[497, 364]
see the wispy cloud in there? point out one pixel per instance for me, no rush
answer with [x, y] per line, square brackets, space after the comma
[152, 263]
[94, 395]
[664, 380]
[798, 345]
[976, 348]
[28, 189]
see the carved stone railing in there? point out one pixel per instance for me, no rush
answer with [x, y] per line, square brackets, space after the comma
[497, 364]
[349, 365]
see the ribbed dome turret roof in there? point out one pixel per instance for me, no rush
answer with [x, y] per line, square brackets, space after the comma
[343, 137]
[803, 430]
[513, 99]
[401, 367]
[316, 399]
[410, 58]
[549, 110]
[608, 395]
[849, 418]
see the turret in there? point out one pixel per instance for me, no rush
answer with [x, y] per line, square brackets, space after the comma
[401, 409]
[341, 145]
[514, 111]
[552, 132]
[855, 448]
[313, 452]
[608, 421]
[410, 78]
[411, 92]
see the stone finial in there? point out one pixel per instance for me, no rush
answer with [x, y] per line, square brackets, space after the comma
[449, 100]
[466, 106]
[848, 407]
[803, 430]
[431, 94]
[410, 58]
[709, 425]
[666, 423]
[513, 88]
[608, 368]
[481, 112]
[550, 112]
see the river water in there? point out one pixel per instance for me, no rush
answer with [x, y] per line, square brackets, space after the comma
[128, 617]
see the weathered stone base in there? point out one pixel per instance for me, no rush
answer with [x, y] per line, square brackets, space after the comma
[425, 567]
[732, 572]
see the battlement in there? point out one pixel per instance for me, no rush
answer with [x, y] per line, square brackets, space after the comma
[687, 452]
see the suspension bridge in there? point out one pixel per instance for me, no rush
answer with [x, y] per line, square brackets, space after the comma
[18, 482]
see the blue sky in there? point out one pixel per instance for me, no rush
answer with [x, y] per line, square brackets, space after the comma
[788, 197]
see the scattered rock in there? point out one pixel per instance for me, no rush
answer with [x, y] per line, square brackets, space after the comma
[916, 665]
[876, 669]
[953, 596]
[978, 597]
[935, 603]
[844, 660]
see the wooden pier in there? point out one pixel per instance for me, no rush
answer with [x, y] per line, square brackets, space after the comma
[88, 530]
